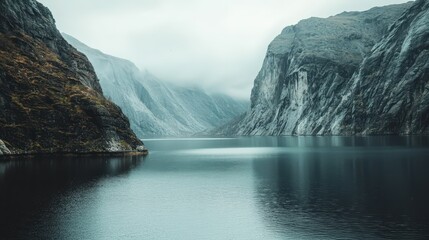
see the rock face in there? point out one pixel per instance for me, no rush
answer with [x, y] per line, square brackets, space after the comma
[3, 149]
[390, 92]
[50, 97]
[344, 75]
[156, 108]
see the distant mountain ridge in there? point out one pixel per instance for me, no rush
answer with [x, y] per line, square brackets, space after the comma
[353, 73]
[50, 97]
[156, 108]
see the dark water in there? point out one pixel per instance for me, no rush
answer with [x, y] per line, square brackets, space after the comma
[244, 188]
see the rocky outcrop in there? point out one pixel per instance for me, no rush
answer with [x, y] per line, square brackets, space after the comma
[154, 107]
[3, 149]
[50, 97]
[390, 92]
[353, 73]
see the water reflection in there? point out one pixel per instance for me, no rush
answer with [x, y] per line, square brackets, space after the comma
[229, 188]
[324, 193]
[31, 188]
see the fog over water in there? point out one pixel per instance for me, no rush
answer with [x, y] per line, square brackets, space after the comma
[217, 45]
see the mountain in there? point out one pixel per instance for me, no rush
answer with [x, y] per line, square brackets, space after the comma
[353, 73]
[50, 97]
[154, 107]
[391, 89]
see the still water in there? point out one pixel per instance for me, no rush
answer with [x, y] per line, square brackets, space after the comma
[225, 188]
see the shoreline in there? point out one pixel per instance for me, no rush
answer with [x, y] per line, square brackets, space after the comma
[71, 154]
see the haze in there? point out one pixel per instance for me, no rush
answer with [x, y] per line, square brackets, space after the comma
[217, 45]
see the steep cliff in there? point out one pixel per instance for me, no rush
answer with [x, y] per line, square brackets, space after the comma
[156, 108]
[390, 92]
[346, 74]
[50, 97]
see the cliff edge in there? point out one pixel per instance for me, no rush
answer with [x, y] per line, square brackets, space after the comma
[50, 97]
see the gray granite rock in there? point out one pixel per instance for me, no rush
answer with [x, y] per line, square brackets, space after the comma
[3, 149]
[154, 107]
[390, 92]
[353, 73]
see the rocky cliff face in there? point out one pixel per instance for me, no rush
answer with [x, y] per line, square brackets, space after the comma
[156, 108]
[390, 92]
[50, 97]
[346, 74]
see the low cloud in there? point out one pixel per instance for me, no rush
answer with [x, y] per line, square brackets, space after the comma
[217, 45]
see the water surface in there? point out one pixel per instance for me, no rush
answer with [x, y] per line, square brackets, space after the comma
[225, 188]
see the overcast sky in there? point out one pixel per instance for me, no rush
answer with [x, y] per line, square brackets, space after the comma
[215, 44]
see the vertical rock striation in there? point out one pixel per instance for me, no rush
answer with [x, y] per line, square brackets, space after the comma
[156, 108]
[390, 92]
[353, 73]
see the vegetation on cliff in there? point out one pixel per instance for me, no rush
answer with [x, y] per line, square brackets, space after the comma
[50, 97]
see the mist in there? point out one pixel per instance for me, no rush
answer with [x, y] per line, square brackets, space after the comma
[216, 45]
